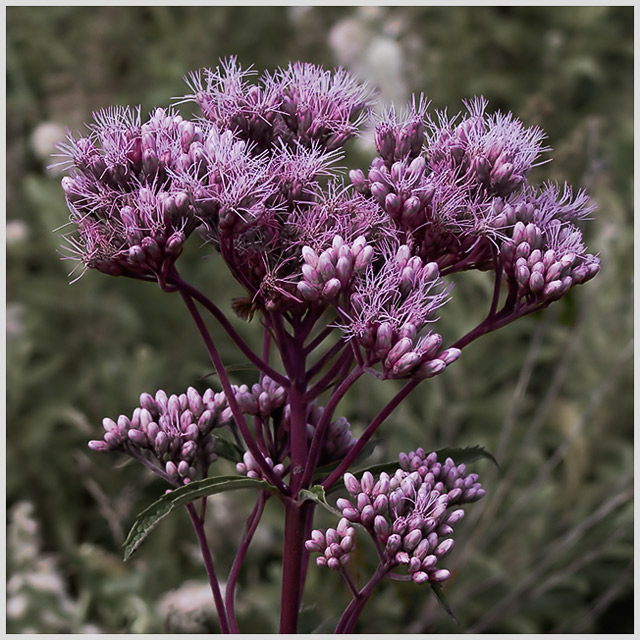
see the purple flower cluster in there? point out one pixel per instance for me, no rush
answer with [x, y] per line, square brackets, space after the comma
[338, 438]
[543, 252]
[257, 177]
[390, 311]
[171, 435]
[262, 399]
[327, 274]
[409, 515]
[448, 197]
[300, 105]
[130, 215]
[250, 468]
[333, 545]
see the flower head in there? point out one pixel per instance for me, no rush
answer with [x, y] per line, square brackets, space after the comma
[171, 435]
[130, 218]
[300, 105]
[391, 307]
[410, 514]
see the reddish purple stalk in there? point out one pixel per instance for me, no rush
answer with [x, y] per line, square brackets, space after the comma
[208, 563]
[252, 525]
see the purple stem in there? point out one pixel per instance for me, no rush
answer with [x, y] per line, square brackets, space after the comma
[349, 581]
[323, 335]
[266, 347]
[351, 614]
[322, 361]
[231, 399]
[345, 358]
[369, 431]
[208, 563]
[318, 437]
[295, 525]
[507, 315]
[251, 526]
[261, 364]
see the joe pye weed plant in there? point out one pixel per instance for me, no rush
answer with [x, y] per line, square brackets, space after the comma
[346, 276]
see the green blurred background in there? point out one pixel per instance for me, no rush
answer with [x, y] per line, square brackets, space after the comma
[550, 547]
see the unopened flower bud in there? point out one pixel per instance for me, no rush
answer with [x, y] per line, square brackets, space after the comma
[444, 548]
[331, 288]
[412, 539]
[439, 575]
[351, 483]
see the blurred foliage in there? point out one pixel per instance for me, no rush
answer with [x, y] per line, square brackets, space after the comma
[550, 547]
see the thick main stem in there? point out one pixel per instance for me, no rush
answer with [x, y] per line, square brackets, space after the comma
[295, 535]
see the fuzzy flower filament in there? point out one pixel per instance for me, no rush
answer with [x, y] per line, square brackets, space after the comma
[130, 217]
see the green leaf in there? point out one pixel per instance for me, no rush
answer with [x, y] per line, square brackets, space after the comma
[437, 589]
[181, 496]
[468, 454]
[316, 494]
[228, 449]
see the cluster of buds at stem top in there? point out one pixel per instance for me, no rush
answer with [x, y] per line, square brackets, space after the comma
[333, 545]
[390, 312]
[131, 217]
[402, 355]
[401, 136]
[495, 151]
[337, 441]
[262, 399]
[300, 105]
[403, 190]
[171, 435]
[320, 107]
[325, 275]
[542, 253]
[397, 177]
[250, 468]
[410, 513]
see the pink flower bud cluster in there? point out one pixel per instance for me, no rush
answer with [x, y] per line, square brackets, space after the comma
[228, 99]
[262, 399]
[300, 105]
[444, 199]
[257, 176]
[400, 137]
[255, 185]
[338, 439]
[170, 434]
[544, 254]
[333, 545]
[228, 185]
[402, 190]
[411, 513]
[397, 179]
[320, 106]
[495, 151]
[130, 216]
[250, 468]
[326, 275]
[391, 310]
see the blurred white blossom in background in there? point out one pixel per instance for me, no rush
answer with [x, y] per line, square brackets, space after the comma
[188, 609]
[37, 599]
